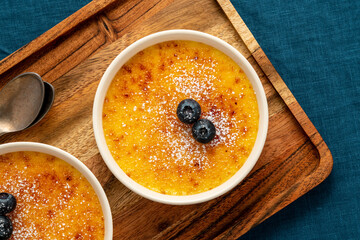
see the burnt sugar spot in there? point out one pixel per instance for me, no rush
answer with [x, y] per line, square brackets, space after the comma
[90, 228]
[68, 178]
[117, 139]
[145, 81]
[50, 214]
[25, 157]
[145, 89]
[127, 68]
[79, 236]
[148, 76]
[142, 67]
[196, 56]
[219, 100]
[50, 159]
[50, 177]
[194, 182]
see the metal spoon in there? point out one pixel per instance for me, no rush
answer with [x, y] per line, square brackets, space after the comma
[47, 103]
[20, 102]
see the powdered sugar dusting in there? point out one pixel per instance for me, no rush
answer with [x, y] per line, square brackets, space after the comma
[195, 82]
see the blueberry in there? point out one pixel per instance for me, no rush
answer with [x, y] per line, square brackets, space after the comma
[203, 131]
[188, 111]
[7, 203]
[6, 228]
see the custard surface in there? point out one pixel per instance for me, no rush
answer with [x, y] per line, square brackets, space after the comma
[143, 132]
[54, 200]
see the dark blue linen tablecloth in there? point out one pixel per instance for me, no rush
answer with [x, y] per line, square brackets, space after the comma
[315, 47]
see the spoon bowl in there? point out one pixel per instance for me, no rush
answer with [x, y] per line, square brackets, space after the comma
[47, 103]
[20, 102]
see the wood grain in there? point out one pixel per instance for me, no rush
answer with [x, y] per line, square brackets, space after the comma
[74, 55]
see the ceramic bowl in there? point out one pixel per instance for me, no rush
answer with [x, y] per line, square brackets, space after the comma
[148, 41]
[67, 157]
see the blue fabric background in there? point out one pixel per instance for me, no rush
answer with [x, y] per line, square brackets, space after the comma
[21, 21]
[315, 46]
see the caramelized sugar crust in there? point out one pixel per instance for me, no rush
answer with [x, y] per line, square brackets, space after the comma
[144, 134]
[54, 200]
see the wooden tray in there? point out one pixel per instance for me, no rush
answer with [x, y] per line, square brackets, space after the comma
[73, 56]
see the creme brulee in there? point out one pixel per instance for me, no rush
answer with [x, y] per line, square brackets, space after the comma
[147, 140]
[54, 200]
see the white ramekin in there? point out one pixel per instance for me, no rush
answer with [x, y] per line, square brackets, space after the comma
[67, 157]
[150, 40]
